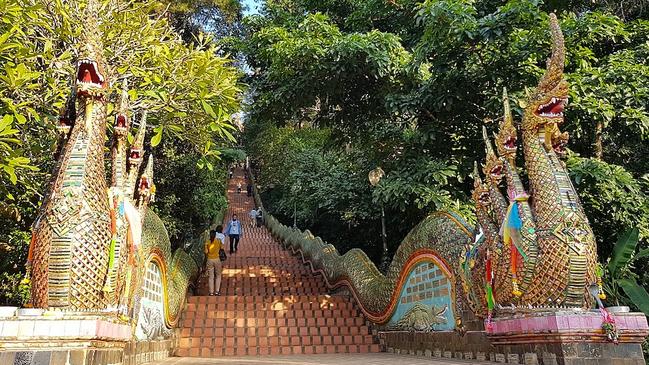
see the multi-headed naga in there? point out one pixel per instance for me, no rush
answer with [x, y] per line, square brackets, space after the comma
[547, 243]
[532, 247]
[71, 237]
[92, 243]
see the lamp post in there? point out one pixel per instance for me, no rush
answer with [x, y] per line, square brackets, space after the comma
[375, 177]
[295, 190]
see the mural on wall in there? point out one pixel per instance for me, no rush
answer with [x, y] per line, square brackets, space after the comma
[425, 303]
[150, 324]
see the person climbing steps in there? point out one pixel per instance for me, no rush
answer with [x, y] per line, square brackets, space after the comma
[234, 231]
[214, 265]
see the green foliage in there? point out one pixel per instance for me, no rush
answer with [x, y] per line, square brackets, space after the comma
[230, 155]
[189, 90]
[408, 85]
[620, 281]
[13, 255]
[623, 251]
[187, 198]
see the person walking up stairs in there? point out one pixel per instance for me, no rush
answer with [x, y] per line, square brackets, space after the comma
[270, 303]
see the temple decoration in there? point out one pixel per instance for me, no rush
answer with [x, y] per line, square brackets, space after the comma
[93, 243]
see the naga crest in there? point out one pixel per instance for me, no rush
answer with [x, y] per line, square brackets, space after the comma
[480, 192]
[91, 79]
[122, 122]
[507, 136]
[494, 167]
[546, 104]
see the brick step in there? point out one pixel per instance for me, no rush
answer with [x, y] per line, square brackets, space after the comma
[309, 329]
[270, 281]
[264, 270]
[280, 289]
[270, 288]
[265, 265]
[322, 299]
[293, 278]
[269, 291]
[321, 318]
[262, 307]
[274, 341]
[193, 321]
[245, 270]
[210, 351]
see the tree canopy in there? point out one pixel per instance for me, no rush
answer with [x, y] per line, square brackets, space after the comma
[341, 87]
[189, 89]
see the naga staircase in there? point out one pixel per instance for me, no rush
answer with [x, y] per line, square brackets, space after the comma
[270, 302]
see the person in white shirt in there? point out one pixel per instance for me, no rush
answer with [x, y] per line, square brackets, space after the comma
[253, 217]
[235, 231]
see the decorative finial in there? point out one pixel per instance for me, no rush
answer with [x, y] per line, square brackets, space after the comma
[555, 64]
[487, 143]
[122, 122]
[507, 135]
[138, 145]
[477, 180]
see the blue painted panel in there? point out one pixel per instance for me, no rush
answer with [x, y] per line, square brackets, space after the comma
[427, 288]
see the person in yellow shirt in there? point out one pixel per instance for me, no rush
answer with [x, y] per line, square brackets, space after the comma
[214, 264]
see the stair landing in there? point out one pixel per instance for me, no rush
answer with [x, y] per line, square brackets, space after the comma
[270, 303]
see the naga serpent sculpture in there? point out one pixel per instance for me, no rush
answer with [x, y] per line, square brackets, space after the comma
[92, 244]
[533, 250]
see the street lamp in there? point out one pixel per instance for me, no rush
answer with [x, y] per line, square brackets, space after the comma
[295, 190]
[375, 177]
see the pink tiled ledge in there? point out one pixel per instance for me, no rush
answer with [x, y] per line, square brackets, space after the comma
[24, 328]
[566, 322]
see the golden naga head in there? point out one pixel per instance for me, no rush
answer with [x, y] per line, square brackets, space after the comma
[494, 167]
[480, 192]
[91, 80]
[122, 121]
[137, 148]
[545, 105]
[507, 137]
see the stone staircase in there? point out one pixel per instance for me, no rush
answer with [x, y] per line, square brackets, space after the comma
[270, 303]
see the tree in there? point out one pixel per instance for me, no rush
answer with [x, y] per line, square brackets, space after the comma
[189, 90]
[409, 85]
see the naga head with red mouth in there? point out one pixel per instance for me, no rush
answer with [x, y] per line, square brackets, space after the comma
[507, 136]
[494, 169]
[91, 81]
[507, 141]
[552, 109]
[122, 121]
[121, 124]
[559, 142]
[548, 100]
[480, 192]
[135, 156]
